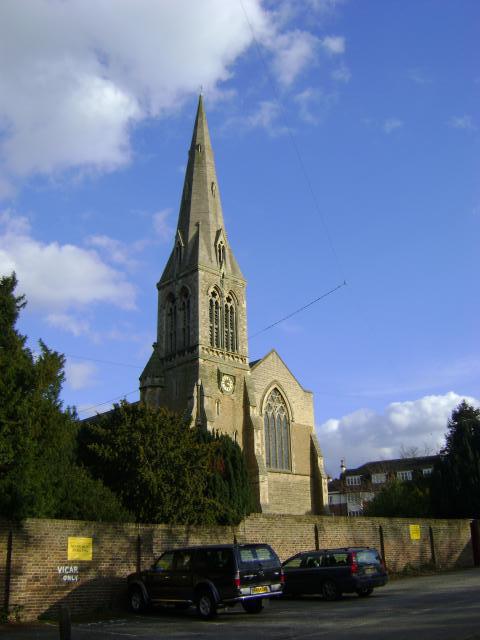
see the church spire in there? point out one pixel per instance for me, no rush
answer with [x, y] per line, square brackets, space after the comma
[200, 222]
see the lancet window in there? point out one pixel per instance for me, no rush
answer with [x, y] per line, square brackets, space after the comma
[171, 326]
[220, 254]
[230, 324]
[185, 319]
[277, 432]
[215, 313]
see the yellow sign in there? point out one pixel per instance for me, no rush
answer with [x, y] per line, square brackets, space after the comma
[414, 532]
[80, 548]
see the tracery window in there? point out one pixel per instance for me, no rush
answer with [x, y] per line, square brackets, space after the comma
[184, 319]
[230, 324]
[277, 432]
[171, 333]
[215, 320]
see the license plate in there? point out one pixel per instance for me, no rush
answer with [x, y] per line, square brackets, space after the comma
[369, 570]
[260, 589]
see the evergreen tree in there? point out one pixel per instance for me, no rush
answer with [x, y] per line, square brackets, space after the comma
[456, 476]
[38, 474]
[228, 486]
[163, 470]
[151, 460]
[408, 499]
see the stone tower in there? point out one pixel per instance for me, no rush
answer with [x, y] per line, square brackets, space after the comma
[200, 358]
[199, 365]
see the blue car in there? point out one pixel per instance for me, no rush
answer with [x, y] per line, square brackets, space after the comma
[332, 572]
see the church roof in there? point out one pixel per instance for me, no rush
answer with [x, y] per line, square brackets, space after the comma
[200, 221]
[274, 353]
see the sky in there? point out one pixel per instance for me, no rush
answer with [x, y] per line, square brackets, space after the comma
[346, 138]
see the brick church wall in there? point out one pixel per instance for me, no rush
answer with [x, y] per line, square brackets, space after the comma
[35, 581]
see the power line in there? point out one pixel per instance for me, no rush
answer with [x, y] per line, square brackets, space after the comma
[305, 306]
[294, 144]
[100, 404]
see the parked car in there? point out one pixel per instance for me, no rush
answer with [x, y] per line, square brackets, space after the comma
[209, 577]
[332, 572]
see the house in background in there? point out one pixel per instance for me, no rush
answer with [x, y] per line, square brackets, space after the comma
[348, 494]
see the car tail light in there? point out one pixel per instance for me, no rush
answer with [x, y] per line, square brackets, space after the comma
[236, 580]
[353, 563]
[282, 577]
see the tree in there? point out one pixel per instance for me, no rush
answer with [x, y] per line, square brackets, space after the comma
[228, 486]
[38, 474]
[456, 476]
[163, 470]
[409, 499]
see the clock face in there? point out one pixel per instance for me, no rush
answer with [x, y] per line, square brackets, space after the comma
[227, 383]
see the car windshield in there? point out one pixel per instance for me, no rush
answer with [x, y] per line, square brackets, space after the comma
[367, 556]
[255, 554]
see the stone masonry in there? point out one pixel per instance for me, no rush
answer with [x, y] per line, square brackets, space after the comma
[200, 366]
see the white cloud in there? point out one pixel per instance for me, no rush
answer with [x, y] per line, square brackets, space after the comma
[463, 122]
[314, 104]
[391, 124]
[264, 116]
[81, 72]
[341, 74]
[161, 225]
[334, 44]
[365, 435]
[80, 374]
[117, 251]
[293, 51]
[55, 276]
[67, 322]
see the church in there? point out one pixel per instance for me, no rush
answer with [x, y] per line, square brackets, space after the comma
[200, 359]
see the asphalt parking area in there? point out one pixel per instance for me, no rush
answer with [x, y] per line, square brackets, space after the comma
[440, 607]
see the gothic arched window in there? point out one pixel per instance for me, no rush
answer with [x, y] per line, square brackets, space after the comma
[171, 326]
[277, 432]
[215, 312]
[220, 254]
[185, 319]
[230, 324]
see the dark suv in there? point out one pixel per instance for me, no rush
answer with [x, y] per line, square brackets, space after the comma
[209, 577]
[332, 572]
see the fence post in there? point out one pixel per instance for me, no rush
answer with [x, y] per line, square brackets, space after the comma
[317, 541]
[432, 546]
[8, 572]
[475, 533]
[65, 624]
[139, 553]
[382, 545]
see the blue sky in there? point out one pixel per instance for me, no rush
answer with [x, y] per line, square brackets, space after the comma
[346, 138]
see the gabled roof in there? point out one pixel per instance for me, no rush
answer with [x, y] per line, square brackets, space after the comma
[398, 464]
[272, 352]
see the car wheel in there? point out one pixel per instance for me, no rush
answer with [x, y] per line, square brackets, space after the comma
[206, 607]
[365, 591]
[252, 606]
[137, 600]
[330, 591]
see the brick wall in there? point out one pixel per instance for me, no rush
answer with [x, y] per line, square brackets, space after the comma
[39, 551]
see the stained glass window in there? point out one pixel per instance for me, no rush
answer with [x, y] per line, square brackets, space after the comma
[277, 432]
